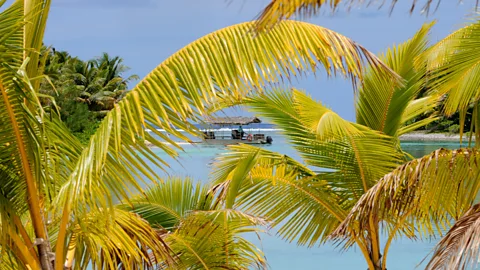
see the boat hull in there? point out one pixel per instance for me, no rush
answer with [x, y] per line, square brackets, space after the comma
[231, 141]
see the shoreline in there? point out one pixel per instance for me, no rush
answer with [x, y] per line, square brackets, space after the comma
[410, 137]
[432, 137]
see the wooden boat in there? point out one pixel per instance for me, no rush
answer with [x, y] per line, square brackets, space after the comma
[230, 131]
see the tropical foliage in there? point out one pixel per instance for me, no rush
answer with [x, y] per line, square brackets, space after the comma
[440, 188]
[189, 214]
[308, 202]
[421, 198]
[278, 10]
[452, 66]
[459, 248]
[58, 195]
[84, 91]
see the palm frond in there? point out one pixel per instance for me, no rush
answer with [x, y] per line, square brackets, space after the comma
[11, 35]
[278, 10]
[458, 249]
[178, 91]
[105, 241]
[36, 12]
[213, 239]
[199, 233]
[327, 141]
[428, 192]
[15, 242]
[168, 202]
[415, 108]
[384, 106]
[453, 65]
[277, 187]
[22, 141]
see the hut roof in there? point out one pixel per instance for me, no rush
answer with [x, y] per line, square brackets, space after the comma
[234, 120]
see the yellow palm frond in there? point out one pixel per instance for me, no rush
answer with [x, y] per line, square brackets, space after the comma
[303, 205]
[167, 203]
[36, 13]
[418, 107]
[327, 141]
[213, 240]
[428, 192]
[453, 66]
[278, 10]
[178, 91]
[200, 233]
[105, 241]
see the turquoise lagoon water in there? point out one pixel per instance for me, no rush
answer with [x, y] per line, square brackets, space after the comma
[404, 253]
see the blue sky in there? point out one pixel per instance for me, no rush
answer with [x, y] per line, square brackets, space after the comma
[145, 32]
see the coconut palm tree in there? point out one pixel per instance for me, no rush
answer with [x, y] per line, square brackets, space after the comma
[421, 199]
[112, 69]
[57, 196]
[308, 200]
[439, 189]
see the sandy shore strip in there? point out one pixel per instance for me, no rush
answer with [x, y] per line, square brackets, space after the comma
[413, 136]
[423, 136]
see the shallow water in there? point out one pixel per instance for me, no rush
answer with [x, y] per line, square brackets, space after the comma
[403, 254]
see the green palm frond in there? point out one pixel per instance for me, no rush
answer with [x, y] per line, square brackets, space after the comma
[167, 203]
[228, 167]
[384, 106]
[11, 35]
[459, 247]
[415, 108]
[213, 240]
[327, 141]
[453, 64]
[36, 12]
[303, 205]
[199, 233]
[278, 10]
[22, 144]
[428, 192]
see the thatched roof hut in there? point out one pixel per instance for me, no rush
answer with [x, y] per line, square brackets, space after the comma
[234, 120]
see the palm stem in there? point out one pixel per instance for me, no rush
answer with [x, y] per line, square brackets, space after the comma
[375, 243]
[60, 247]
[476, 119]
[22, 252]
[366, 255]
[32, 195]
[24, 234]
[390, 238]
[71, 253]
[472, 128]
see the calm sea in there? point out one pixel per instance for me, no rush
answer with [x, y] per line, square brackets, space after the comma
[404, 253]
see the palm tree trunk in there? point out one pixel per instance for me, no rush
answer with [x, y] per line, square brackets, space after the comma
[375, 255]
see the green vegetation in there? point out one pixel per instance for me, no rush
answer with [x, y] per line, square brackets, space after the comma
[314, 202]
[58, 194]
[79, 201]
[84, 91]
